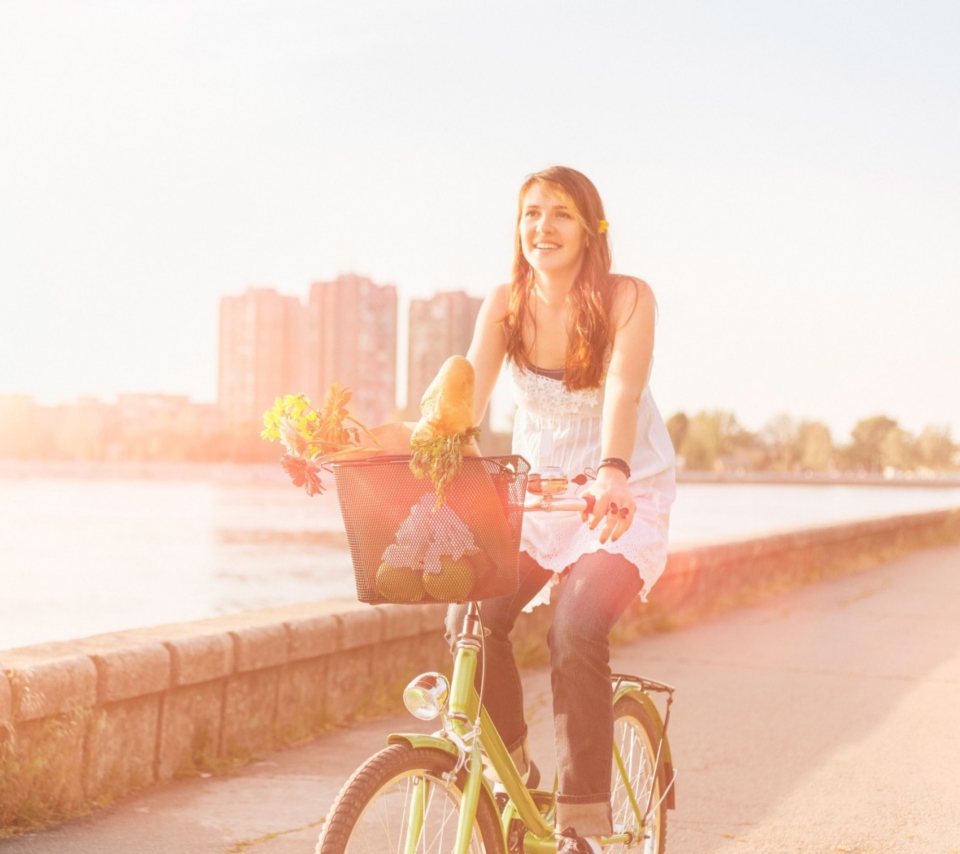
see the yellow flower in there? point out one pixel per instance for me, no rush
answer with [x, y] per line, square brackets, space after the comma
[602, 226]
[271, 421]
[294, 409]
[311, 437]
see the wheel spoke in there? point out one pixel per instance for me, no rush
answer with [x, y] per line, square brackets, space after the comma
[393, 805]
[635, 746]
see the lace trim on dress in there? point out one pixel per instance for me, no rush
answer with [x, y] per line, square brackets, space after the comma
[550, 396]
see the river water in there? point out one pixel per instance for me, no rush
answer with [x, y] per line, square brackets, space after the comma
[82, 556]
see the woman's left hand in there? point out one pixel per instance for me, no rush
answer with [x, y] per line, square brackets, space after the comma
[614, 507]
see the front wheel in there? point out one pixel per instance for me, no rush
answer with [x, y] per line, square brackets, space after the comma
[637, 737]
[401, 800]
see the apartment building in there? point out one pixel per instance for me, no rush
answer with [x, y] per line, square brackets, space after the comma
[440, 327]
[351, 338]
[262, 337]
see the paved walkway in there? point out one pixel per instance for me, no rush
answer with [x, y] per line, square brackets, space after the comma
[825, 720]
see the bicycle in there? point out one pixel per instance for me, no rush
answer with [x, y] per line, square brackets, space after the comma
[429, 793]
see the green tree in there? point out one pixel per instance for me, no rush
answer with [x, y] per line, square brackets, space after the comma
[701, 443]
[815, 445]
[897, 450]
[712, 435]
[935, 448]
[866, 450]
[781, 440]
[677, 425]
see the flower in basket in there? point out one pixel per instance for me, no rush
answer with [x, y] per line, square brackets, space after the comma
[312, 438]
[436, 443]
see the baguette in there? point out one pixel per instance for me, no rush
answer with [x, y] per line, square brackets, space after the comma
[446, 408]
[445, 431]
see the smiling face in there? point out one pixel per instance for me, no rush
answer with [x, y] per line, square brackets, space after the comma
[551, 237]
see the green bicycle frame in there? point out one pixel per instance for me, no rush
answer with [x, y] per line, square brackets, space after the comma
[460, 730]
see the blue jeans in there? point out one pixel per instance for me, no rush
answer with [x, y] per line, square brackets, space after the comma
[597, 590]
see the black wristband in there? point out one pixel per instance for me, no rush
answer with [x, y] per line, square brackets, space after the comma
[617, 463]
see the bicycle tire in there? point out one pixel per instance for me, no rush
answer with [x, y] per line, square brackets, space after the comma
[384, 784]
[637, 737]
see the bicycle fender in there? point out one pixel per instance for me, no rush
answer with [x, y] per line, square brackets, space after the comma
[419, 739]
[635, 690]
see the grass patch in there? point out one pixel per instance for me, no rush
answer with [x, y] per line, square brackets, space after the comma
[41, 765]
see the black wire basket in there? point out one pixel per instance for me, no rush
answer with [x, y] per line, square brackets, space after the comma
[406, 549]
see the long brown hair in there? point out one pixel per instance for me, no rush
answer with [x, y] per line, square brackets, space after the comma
[592, 293]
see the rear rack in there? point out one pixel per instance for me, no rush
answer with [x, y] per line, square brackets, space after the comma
[646, 684]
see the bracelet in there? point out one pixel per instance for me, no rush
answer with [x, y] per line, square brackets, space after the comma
[617, 463]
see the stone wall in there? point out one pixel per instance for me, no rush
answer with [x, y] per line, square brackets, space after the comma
[83, 722]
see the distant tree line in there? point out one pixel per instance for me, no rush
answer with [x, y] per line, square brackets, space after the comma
[171, 428]
[715, 440]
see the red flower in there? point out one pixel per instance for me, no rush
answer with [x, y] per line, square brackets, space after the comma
[303, 473]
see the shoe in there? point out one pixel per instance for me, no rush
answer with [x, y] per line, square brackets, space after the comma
[569, 843]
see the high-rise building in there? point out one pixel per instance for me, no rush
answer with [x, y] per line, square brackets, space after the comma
[352, 339]
[440, 327]
[261, 352]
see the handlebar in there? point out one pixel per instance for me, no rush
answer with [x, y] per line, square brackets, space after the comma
[549, 503]
[545, 488]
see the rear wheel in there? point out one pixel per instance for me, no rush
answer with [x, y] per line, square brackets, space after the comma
[637, 737]
[374, 810]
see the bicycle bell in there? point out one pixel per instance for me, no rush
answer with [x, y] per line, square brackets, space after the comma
[547, 480]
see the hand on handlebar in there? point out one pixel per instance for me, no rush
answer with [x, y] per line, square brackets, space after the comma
[614, 506]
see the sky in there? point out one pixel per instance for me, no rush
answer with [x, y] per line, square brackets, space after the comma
[785, 176]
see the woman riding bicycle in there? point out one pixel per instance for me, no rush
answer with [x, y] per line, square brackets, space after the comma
[578, 342]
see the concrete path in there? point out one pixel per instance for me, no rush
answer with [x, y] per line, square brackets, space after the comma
[825, 720]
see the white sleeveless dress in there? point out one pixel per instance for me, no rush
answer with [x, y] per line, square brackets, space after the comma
[556, 540]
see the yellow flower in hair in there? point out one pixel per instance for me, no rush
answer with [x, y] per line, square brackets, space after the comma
[602, 226]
